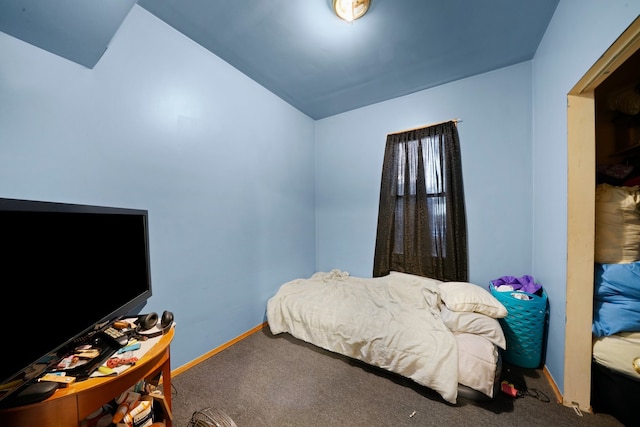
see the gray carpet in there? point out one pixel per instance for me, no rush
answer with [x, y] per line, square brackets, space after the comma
[278, 381]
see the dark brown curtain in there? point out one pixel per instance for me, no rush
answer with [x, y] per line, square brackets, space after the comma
[422, 227]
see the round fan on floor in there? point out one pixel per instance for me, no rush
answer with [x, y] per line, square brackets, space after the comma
[211, 417]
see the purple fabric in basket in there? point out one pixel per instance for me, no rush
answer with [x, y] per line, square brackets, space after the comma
[525, 283]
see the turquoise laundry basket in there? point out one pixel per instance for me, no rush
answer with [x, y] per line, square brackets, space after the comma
[523, 327]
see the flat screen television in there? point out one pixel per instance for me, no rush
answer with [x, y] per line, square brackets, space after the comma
[65, 269]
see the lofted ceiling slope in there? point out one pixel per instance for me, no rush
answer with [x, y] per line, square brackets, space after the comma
[300, 50]
[78, 30]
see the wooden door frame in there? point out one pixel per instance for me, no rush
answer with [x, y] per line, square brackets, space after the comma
[581, 166]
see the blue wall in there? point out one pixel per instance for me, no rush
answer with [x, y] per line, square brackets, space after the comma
[224, 167]
[159, 122]
[495, 138]
[579, 33]
[514, 149]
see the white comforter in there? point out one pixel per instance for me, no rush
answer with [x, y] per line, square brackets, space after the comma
[392, 322]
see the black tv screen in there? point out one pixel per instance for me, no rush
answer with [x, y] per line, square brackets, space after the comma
[65, 269]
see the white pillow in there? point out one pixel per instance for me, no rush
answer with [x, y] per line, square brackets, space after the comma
[474, 323]
[465, 296]
[477, 362]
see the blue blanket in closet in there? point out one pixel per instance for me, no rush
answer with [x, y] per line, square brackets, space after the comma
[616, 305]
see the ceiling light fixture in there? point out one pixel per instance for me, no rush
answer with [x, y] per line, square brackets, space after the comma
[350, 10]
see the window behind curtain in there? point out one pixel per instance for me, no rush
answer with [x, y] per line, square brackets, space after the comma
[421, 218]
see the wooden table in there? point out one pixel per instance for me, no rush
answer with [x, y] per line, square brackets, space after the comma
[69, 406]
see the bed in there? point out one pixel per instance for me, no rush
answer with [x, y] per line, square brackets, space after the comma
[615, 371]
[615, 377]
[615, 384]
[442, 335]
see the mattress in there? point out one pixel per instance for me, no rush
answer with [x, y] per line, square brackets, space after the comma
[617, 352]
[395, 323]
[615, 384]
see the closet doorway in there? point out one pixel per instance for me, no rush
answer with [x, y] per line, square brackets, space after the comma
[585, 129]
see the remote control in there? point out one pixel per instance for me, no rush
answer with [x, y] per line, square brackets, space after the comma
[118, 337]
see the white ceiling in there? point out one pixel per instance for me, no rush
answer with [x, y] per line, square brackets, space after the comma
[300, 50]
